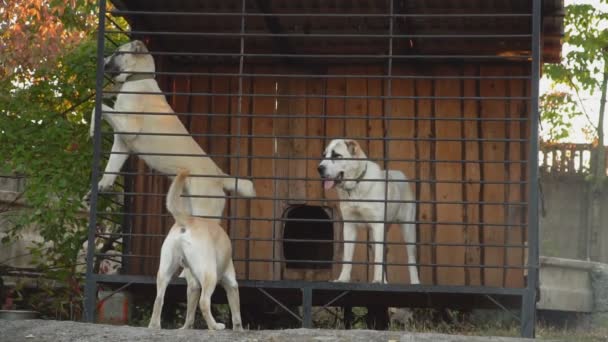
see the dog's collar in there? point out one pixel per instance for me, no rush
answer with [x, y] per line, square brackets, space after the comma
[138, 77]
[361, 175]
[357, 180]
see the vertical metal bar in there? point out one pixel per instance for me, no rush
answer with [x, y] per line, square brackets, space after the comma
[387, 111]
[127, 220]
[306, 307]
[91, 284]
[239, 110]
[528, 311]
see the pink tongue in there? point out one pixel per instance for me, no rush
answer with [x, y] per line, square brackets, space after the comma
[328, 184]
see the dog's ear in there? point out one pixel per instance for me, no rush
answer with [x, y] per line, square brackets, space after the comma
[353, 147]
[139, 46]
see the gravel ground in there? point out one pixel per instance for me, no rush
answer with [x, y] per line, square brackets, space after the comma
[58, 331]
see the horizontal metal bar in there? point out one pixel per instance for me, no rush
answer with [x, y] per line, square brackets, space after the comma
[332, 76]
[288, 158]
[330, 56]
[370, 116]
[307, 137]
[320, 15]
[323, 285]
[304, 199]
[336, 262]
[317, 35]
[319, 179]
[302, 96]
[315, 220]
[336, 242]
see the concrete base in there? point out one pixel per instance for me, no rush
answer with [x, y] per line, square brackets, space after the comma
[565, 285]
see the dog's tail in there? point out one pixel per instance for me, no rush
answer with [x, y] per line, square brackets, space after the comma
[241, 186]
[175, 203]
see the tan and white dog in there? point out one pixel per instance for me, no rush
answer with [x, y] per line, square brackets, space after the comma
[204, 248]
[346, 167]
[155, 135]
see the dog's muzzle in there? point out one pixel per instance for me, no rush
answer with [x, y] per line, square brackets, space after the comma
[110, 68]
[328, 182]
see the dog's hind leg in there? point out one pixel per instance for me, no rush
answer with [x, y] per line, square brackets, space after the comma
[208, 282]
[193, 295]
[168, 265]
[378, 235]
[408, 229]
[232, 292]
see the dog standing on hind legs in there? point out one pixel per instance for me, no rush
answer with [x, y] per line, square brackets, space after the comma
[144, 123]
[346, 167]
[203, 248]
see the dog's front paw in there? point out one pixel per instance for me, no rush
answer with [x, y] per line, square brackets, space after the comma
[237, 327]
[186, 326]
[217, 326]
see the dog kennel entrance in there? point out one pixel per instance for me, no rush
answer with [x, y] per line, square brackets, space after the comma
[308, 235]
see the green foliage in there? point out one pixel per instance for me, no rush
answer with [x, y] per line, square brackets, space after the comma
[558, 111]
[44, 136]
[586, 34]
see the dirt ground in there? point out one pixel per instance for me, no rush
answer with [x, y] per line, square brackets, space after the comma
[59, 331]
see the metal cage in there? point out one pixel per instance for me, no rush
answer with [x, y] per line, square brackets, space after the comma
[447, 93]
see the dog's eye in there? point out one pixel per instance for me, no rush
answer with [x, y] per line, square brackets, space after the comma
[336, 156]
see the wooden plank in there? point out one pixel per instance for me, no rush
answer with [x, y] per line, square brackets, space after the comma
[239, 167]
[315, 108]
[400, 150]
[514, 277]
[493, 214]
[199, 124]
[297, 146]
[448, 150]
[375, 150]
[471, 174]
[219, 144]
[262, 229]
[281, 163]
[357, 128]
[424, 129]
[334, 128]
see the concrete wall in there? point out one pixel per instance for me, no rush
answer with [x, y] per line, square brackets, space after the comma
[564, 224]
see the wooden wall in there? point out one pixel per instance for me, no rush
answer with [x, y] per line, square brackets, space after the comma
[455, 237]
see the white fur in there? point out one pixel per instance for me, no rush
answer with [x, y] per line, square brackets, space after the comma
[344, 162]
[202, 247]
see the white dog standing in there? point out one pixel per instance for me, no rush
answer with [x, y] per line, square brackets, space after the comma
[204, 248]
[346, 167]
[133, 67]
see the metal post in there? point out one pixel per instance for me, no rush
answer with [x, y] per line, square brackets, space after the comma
[306, 307]
[528, 310]
[387, 123]
[90, 291]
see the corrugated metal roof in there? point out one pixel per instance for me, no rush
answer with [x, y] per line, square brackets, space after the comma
[411, 31]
